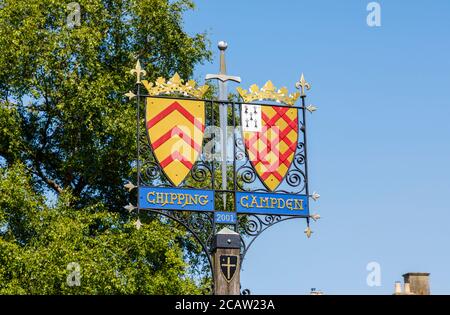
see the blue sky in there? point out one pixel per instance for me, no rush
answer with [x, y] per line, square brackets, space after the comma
[378, 145]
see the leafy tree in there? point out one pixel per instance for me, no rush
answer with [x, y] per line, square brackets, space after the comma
[41, 245]
[67, 84]
[67, 143]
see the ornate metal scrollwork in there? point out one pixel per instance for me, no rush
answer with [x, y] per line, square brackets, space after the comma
[254, 226]
[200, 176]
[246, 292]
[199, 224]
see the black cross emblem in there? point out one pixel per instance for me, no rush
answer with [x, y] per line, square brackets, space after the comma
[228, 266]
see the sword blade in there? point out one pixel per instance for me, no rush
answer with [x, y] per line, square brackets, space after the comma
[223, 117]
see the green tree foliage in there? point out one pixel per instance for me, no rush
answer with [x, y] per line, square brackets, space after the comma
[67, 83]
[68, 134]
[38, 243]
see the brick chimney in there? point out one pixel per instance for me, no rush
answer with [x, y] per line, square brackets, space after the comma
[398, 288]
[418, 282]
[315, 292]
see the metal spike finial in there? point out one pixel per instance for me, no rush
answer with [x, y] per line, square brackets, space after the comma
[130, 95]
[130, 186]
[302, 85]
[315, 196]
[308, 232]
[311, 108]
[138, 224]
[138, 71]
[129, 207]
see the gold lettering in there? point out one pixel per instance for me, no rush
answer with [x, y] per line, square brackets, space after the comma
[245, 205]
[160, 198]
[254, 203]
[258, 205]
[166, 200]
[281, 203]
[203, 200]
[264, 202]
[181, 198]
[273, 202]
[298, 204]
[152, 193]
[187, 200]
[193, 199]
[289, 204]
[173, 198]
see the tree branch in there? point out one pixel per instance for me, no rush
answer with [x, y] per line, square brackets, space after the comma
[50, 182]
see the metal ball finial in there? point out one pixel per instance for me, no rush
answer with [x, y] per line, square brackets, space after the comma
[222, 45]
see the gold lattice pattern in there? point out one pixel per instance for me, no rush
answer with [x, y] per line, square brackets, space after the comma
[268, 92]
[175, 86]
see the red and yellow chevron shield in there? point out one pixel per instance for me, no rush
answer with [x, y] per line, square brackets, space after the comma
[271, 150]
[175, 129]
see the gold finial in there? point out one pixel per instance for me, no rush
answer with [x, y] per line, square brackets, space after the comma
[308, 232]
[302, 85]
[129, 186]
[311, 108]
[138, 71]
[130, 207]
[175, 85]
[268, 92]
[138, 224]
[130, 95]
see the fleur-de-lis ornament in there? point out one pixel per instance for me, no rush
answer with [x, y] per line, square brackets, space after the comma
[308, 232]
[130, 186]
[302, 85]
[138, 224]
[130, 95]
[138, 71]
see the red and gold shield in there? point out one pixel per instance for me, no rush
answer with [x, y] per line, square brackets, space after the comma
[271, 149]
[175, 128]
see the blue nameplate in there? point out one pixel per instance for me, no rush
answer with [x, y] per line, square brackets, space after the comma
[176, 199]
[278, 204]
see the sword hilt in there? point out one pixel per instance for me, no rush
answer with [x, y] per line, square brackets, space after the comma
[223, 77]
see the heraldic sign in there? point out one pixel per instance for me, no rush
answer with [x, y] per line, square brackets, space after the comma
[268, 171]
[208, 162]
[228, 266]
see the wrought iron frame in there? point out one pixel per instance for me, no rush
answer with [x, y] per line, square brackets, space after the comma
[151, 174]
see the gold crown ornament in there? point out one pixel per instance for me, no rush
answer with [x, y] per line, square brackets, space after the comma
[268, 92]
[175, 86]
